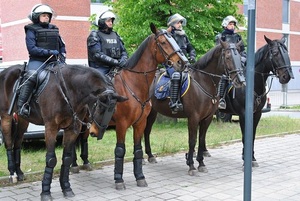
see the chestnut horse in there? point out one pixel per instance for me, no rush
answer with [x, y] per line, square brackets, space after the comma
[200, 101]
[71, 93]
[134, 82]
[271, 59]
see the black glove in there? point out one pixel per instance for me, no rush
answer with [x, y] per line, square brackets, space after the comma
[192, 59]
[122, 62]
[53, 52]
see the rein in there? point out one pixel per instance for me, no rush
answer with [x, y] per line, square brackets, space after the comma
[66, 98]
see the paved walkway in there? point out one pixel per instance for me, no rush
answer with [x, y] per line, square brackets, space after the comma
[276, 178]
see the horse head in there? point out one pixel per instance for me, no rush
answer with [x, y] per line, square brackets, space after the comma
[170, 52]
[280, 60]
[102, 110]
[232, 62]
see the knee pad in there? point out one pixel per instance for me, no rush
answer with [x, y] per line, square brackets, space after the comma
[51, 160]
[67, 161]
[120, 152]
[176, 76]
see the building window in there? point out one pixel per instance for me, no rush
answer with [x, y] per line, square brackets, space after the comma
[285, 11]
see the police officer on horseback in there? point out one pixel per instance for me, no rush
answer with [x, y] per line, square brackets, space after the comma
[229, 23]
[176, 22]
[105, 47]
[44, 45]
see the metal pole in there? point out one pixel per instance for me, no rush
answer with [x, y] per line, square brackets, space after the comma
[249, 101]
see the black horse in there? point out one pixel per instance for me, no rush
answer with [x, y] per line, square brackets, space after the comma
[271, 59]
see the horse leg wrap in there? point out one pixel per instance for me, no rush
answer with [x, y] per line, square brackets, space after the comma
[119, 161]
[138, 162]
[84, 151]
[64, 172]
[189, 158]
[48, 173]
[10, 161]
[17, 156]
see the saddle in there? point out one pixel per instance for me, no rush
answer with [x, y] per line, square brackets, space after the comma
[162, 87]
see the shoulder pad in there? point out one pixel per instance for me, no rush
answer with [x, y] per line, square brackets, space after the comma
[92, 39]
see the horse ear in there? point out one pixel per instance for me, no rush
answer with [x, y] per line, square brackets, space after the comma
[283, 39]
[223, 43]
[267, 39]
[153, 28]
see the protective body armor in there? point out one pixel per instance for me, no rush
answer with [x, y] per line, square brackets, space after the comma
[110, 46]
[46, 38]
[182, 42]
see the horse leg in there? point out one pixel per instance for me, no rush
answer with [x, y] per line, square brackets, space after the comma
[74, 167]
[192, 129]
[202, 145]
[138, 166]
[64, 173]
[51, 161]
[85, 150]
[119, 161]
[203, 126]
[256, 119]
[150, 121]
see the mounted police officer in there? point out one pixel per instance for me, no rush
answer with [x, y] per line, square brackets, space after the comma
[44, 45]
[229, 23]
[105, 47]
[176, 22]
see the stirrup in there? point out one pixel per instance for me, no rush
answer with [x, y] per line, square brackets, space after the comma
[176, 107]
[24, 110]
[222, 104]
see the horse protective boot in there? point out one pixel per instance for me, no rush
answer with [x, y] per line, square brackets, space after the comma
[222, 85]
[25, 93]
[175, 104]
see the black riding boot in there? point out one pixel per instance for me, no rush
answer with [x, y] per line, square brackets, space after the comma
[25, 94]
[175, 104]
[222, 85]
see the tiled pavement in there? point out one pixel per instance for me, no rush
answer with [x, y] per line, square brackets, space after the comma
[276, 178]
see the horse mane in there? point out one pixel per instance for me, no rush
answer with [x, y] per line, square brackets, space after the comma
[132, 61]
[203, 62]
[259, 55]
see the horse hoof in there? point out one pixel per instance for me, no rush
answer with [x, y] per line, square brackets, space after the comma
[255, 164]
[21, 177]
[202, 169]
[46, 197]
[68, 193]
[13, 179]
[206, 154]
[141, 183]
[191, 172]
[152, 160]
[87, 167]
[120, 186]
[74, 170]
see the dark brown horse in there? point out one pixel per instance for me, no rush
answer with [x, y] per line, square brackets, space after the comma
[134, 82]
[72, 92]
[200, 101]
[271, 59]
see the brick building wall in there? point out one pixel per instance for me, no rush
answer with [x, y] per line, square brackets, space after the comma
[71, 19]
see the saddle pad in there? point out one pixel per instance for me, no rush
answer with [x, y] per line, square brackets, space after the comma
[162, 88]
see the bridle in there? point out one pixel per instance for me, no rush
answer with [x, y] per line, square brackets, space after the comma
[175, 46]
[286, 59]
[236, 58]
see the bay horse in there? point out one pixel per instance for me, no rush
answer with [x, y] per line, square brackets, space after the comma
[271, 59]
[200, 101]
[134, 82]
[72, 91]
